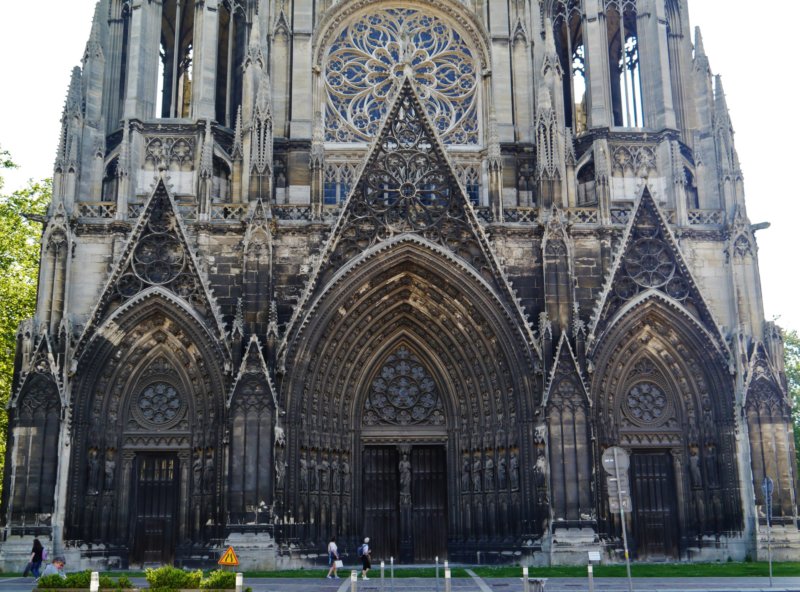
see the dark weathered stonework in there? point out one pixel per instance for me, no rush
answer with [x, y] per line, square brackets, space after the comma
[265, 318]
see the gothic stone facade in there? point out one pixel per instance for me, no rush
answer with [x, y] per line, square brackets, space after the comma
[401, 269]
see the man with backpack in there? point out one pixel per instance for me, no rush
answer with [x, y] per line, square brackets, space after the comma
[364, 552]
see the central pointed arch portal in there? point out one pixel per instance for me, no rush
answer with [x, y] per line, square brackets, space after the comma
[409, 399]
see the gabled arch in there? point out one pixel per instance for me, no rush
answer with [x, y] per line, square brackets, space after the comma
[153, 341]
[660, 386]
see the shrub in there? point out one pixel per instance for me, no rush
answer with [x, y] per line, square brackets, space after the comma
[172, 578]
[219, 580]
[81, 580]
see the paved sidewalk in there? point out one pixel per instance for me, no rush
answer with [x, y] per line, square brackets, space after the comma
[476, 584]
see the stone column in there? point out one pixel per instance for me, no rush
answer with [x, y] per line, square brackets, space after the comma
[143, 58]
[598, 95]
[659, 112]
[204, 74]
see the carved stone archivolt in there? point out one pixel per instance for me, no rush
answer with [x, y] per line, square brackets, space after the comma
[160, 386]
[658, 385]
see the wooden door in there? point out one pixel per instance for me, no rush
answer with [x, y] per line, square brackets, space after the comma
[429, 503]
[156, 488]
[381, 488]
[655, 516]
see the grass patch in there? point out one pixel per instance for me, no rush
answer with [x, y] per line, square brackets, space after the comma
[652, 570]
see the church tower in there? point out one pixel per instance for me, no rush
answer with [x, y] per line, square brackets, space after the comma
[402, 269]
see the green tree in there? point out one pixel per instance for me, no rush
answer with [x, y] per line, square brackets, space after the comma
[792, 361]
[19, 268]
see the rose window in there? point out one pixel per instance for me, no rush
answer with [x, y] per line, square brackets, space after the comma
[373, 52]
[403, 394]
[649, 263]
[159, 258]
[646, 403]
[159, 404]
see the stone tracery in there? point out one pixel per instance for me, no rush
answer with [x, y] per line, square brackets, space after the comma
[372, 52]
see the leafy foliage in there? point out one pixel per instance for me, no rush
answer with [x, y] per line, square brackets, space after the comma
[172, 578]
[792, 361]
[82, 580]
[219, 580]
[19, 268]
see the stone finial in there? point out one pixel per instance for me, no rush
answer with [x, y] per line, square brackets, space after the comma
[237, 152]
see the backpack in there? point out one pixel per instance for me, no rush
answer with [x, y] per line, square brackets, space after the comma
[362, 550]
[44, 554]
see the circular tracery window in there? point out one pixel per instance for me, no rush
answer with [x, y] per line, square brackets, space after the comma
[374, 51]
[159, 404]
[403, 394]
[646, 403]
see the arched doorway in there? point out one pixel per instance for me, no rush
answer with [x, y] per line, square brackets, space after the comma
[146, 467]
[404, 446]
[445, 446]
[660, 389]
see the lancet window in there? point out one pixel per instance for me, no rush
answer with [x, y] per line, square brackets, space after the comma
[375, 50]
[568, 34]
[232, 42]
[624, 63]
[175, 75]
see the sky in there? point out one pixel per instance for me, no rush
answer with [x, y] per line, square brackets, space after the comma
[40, 43]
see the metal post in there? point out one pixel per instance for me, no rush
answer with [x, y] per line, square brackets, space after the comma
[447, 585]
[94, 583]
[383, 565]
[526, 585]
[591, 577]
[437, 573]
[622, 514]
[239, 582]
[353, 581]
[391, 560]
[769, 543]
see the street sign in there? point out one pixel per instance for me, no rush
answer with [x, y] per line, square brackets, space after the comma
[229, 558]
[613, 504]
[623, 461]
[617, 486]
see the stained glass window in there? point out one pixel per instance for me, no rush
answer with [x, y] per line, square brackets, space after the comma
[375, 50]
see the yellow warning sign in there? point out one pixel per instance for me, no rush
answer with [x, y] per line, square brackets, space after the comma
[229, 558]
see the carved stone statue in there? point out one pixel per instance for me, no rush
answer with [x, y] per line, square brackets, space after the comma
[208, 472]
[477, 467]
[345, 468]
[312, 474]
[488, 474]
[502, 473]
[336, 478]
[694, 468]
[280, 465]
[110, 469]
[405, 480]
[93, 482]
[711, 465]
[465, 475]
[197, 471]
[514, 471]
[303, 475]
[324, 475]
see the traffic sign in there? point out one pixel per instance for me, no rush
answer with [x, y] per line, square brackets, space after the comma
[229, 558]
[627, 504]
[621, 462]
[617, 486]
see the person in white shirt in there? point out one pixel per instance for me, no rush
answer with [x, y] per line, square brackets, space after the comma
[56, 568]
[333, 557]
